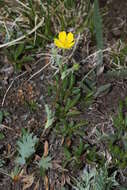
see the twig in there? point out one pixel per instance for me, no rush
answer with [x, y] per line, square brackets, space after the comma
[94, 54]
[38, 71]
[4, 126]
[88, 74]
[23, 4]
[48, 54]
[11, 86]
[2, 172]
[22, 37]
[35, 36]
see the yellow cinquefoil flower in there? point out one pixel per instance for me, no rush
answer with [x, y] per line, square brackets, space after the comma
[65, 41]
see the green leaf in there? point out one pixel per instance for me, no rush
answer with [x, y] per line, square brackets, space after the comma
[63, 188]
[19, 51]
[72, 81]
[76, 90]
[98, 25]
[69, 4]
[67, 104]
[65, 73]
[26, 147]
[1, 136]
[5, 113]
[73, 102]
[97, 180]
[45, 163]
[125, 121]
[73, 113]
[117, 74]
[79, 149]
[2, 162]
[99, 34]
[1, 117]
[123, 188]
[67, 154]
[102, 89]
[50, 117]
[16, 171]
[27, 59]
[81, 124]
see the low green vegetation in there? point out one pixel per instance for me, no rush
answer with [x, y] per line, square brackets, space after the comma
[117, 141]
[26, 147]
[70, 96]
[96, 180]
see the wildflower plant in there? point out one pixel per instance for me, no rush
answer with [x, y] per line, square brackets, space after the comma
[63, 77]
[44, 164]
[26, 147]
[66, 93]
[64, 41]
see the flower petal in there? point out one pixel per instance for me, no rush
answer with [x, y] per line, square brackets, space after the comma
[70, 37]
[58, 43]
[62, 36]
[71, 44]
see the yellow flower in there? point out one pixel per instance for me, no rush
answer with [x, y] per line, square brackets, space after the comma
[65, 41]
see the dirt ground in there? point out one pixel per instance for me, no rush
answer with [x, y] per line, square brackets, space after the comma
[22, 91]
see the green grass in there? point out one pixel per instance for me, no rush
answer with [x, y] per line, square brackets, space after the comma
[24, 16]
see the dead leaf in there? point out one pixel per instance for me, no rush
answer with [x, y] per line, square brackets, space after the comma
[9, 149]
[63, 180]
[46, 183]
[47, 60]
[16, 178]
[37, 158]
[46, 145]
[36, 186]
[28, 68]
[68, 179]
[62, 141]
[6, 127]
[20, 95]
[30, 91]
[68, 142]
[52, 186]
[28, 181]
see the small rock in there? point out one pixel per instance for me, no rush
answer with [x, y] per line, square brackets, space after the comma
[7, 70]
[116, 32]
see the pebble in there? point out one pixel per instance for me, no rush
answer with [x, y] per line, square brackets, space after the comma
[116, 32]
[7, 70]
